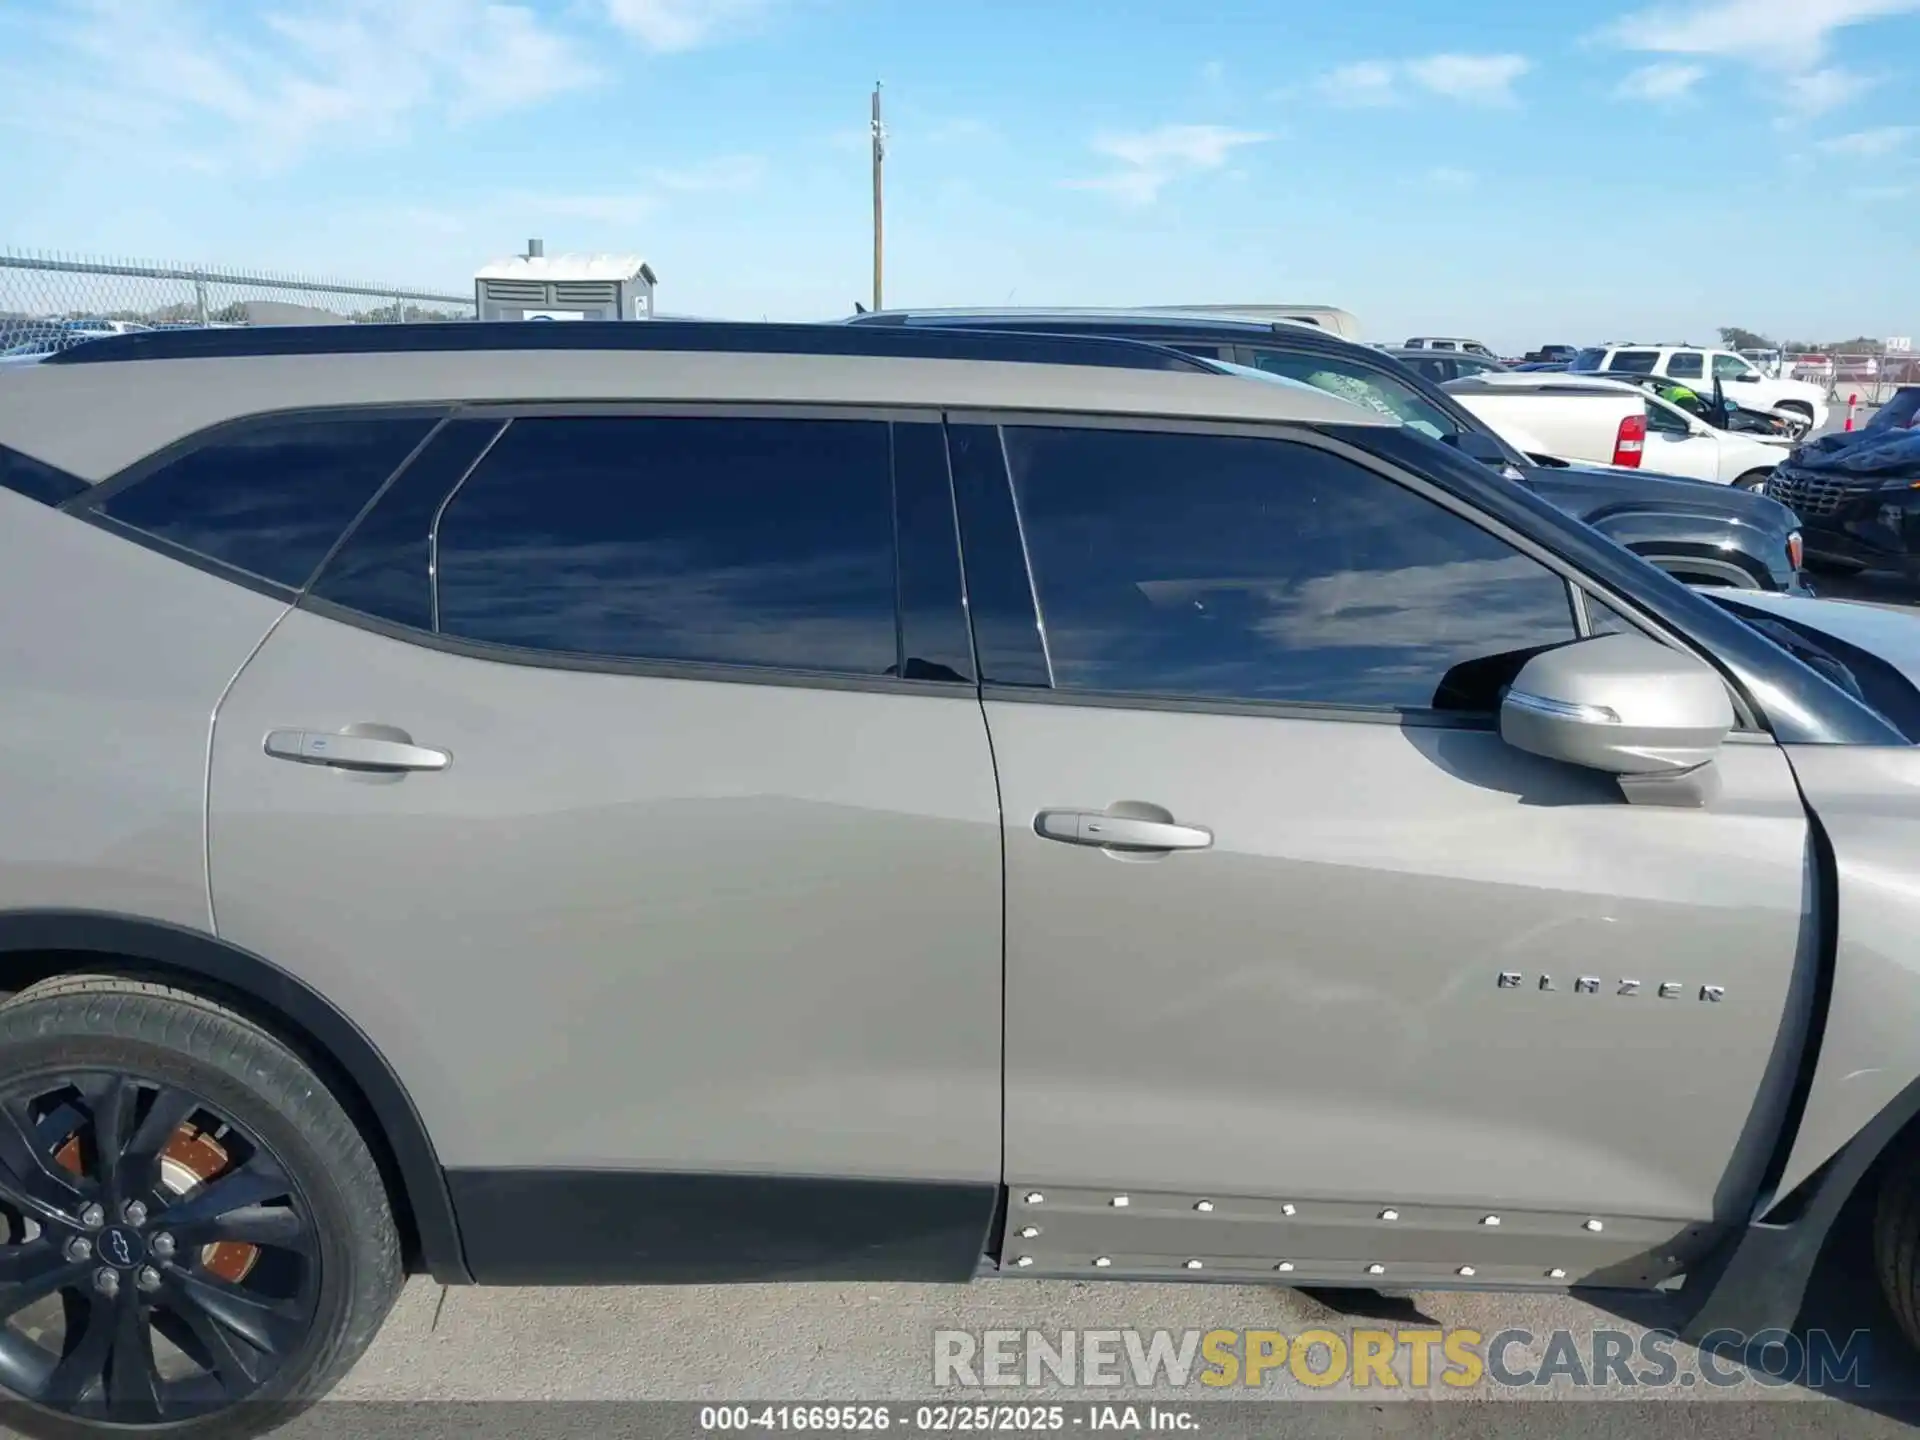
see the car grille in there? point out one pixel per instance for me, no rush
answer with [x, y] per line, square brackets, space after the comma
[1813, 495]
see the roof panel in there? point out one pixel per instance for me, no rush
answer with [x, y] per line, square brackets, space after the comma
[55, 413]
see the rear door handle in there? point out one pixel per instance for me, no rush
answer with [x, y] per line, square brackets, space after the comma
[353, 752]
[1122, 832]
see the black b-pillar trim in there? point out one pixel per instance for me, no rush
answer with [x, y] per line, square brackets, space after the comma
[632, 1227]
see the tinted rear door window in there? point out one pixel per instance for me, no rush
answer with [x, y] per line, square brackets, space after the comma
[271, 498]
[755, 542]
[1261, 570]
[1685, 365]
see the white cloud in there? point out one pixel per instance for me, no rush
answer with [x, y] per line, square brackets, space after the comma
[1470, 79]
[1817, 91]
[670, 25]
[1476, 79]
[1136, 188]
[1365, 83]
[1150, 159]
[1788, 34]
[176, 81]
[1662, 82]
[1197, 147]
[1869, 144]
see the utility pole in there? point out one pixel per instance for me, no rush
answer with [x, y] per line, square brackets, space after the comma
[879, 225]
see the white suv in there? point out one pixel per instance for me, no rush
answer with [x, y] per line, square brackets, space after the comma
[1441, 342]
[1698, 367]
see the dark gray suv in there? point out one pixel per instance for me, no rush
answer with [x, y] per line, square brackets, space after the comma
[1705, 534]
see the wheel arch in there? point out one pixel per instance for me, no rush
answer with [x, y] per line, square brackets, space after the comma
[40, 944]
[1759, 1279]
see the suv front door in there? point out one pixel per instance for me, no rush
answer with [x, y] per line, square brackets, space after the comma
[624, 778]
[1378, 990]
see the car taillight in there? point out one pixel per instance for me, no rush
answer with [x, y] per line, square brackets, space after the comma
[1796, 549]
[1631, 441]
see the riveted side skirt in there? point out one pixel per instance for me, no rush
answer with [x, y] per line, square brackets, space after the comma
[1089, 1234]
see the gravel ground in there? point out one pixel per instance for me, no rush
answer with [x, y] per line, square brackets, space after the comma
[875, 1343]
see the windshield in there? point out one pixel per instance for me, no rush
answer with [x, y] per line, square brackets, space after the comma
[1366, 388]
[1862, 674]
[1268, 377]
[1902, 412]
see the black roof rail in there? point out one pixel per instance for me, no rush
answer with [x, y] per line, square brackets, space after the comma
[738, 337]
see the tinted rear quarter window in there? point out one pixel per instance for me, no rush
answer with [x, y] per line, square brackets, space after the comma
[1263, 570]
[385, 567]
[36, 479]
[1635, 362]
[752, 542]
[269, 498]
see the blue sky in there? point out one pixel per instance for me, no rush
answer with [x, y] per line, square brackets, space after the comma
[1511, 169]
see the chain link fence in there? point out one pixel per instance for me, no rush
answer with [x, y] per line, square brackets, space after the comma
[49, 302]
[1870, 379]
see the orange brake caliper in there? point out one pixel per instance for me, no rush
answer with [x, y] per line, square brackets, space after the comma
[190, 1159]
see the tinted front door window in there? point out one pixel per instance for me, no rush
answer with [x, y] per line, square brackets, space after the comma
[739, 541]
[1245, 569]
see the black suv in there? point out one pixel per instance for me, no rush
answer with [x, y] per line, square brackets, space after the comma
[1703, 533]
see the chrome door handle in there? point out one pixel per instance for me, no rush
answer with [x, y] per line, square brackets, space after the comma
[353, 752]
[1121, 832]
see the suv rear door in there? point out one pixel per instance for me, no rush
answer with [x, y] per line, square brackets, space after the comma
[1376, 988]
[693, 893]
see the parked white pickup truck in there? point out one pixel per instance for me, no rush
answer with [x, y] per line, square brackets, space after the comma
[1610, 422]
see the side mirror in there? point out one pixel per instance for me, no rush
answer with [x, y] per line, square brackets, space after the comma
[1625, 705]
[1476, 446]
[1746, 377]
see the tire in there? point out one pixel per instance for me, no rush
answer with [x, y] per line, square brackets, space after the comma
[1754, 480]
[299, 1252]
[1896, 1243]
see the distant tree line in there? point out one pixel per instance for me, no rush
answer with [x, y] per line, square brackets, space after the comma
[1736, 338]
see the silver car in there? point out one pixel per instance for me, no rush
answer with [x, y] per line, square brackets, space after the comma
[695, 802]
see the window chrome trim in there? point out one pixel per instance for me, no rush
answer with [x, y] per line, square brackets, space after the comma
[707, 671]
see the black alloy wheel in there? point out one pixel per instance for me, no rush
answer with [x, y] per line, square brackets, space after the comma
[135, 1286]
[195, 1240]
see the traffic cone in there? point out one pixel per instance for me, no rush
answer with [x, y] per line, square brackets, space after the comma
[1853, 403]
